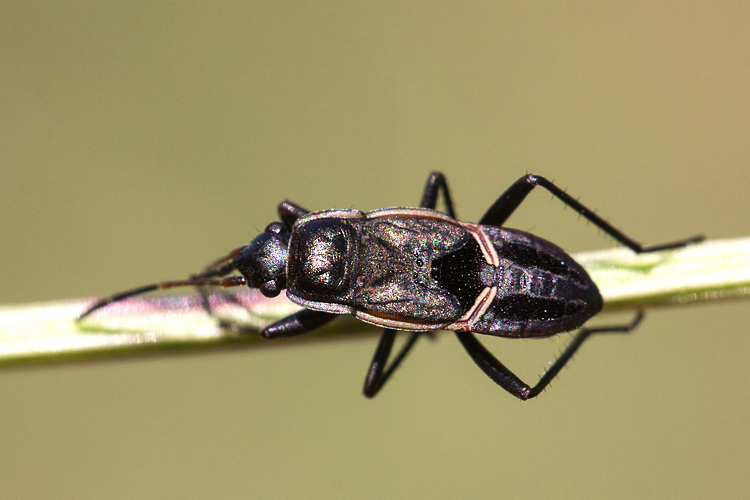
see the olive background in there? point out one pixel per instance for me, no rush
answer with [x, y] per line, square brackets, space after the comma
[140, 140]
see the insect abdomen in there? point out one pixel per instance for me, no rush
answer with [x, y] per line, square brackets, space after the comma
[541, 290]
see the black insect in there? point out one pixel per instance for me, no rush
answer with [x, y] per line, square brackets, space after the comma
[420, 270]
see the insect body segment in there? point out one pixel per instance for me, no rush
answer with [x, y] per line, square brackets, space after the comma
[419, 269]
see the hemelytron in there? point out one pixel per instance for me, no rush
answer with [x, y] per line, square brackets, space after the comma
[420, 270]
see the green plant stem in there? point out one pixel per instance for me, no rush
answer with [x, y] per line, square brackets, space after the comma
[48, 331]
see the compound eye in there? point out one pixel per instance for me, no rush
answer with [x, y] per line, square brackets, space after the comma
[270, 288]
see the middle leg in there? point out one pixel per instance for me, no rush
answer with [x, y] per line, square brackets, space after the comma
[378, 374]
[435, 183]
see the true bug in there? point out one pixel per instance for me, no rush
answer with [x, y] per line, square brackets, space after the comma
[420, 270]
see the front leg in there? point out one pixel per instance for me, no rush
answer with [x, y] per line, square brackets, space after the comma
[380, 371]
[289, 213]
[295, 324]
[298, 323]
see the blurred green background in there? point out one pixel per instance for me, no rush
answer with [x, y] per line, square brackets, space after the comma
[140, 140]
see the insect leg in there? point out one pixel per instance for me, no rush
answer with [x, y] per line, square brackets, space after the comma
[295, 324]
[506, 379]
[289, 213]
[509, 201]
[435, 182]
[378, 374]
